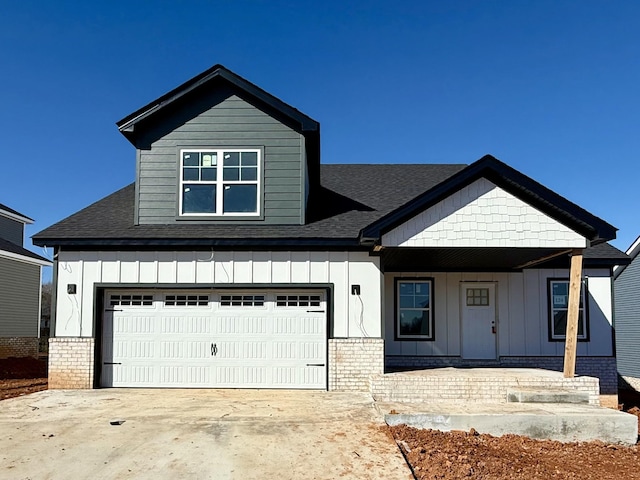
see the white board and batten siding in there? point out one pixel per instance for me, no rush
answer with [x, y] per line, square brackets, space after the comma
[483, 215]
[353, 316]
[522, 323]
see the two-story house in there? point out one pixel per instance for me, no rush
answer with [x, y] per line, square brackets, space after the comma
[20, 287]
[236, 259]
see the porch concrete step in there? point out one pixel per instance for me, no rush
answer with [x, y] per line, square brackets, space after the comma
[562, 422]
[528, 395]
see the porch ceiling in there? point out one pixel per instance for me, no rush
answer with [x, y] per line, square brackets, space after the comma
[398, 259]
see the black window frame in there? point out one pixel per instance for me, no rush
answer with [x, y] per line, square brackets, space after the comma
[584, 291]
[396, 310]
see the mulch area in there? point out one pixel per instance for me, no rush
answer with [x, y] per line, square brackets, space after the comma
[21, 376]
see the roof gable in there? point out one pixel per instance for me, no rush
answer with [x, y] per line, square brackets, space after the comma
[510, 180]
[204, 82]
[482, 214]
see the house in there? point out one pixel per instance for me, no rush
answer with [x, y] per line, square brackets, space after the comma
[627, 324]
[20, 285]
[236, 259]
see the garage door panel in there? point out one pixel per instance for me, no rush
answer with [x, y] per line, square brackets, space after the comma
[227, 340]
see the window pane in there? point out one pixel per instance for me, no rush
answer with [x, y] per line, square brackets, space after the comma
[422, 288]
[414, 322]
[240, 198]
[190, 174]
[191, 159]
[560, 288]
[422, 301]
[407, 288]
[208, 174]
[560, 322]
[199, 199]
[406, 301]
[249, 173]
[209, 159]
[249, 159]
[231, 174]
[231, 159]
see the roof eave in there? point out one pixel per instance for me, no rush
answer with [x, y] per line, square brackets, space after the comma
[197, 242]
[16, 216]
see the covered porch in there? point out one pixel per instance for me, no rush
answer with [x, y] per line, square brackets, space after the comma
[472, 306]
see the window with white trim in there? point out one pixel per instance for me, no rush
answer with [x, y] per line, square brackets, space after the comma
[220, 182]
[558, 296]
[414, 309]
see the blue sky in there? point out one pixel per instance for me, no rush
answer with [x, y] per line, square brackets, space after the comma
[549, 87]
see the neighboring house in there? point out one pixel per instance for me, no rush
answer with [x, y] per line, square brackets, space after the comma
[237, 260]
[20, 284]
[627, 324]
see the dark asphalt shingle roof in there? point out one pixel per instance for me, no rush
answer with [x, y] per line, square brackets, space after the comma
[7, 246]
[351, 197]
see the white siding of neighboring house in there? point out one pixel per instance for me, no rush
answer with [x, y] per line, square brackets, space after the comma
[483, 215]
[522, 326]
[353, 316]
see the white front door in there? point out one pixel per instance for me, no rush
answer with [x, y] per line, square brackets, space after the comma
[478, 321]
[237, 339]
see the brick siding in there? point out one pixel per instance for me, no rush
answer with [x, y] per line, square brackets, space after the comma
[352, 362]
[18, 347]
[71, 363]
[468, 387]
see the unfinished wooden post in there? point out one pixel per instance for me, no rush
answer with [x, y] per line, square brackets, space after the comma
[573, 313]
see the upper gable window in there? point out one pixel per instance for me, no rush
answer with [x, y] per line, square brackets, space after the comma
[219, 182]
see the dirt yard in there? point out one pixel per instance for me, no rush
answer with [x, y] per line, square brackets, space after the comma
[20, 376]
[452, 455]
[469, 455]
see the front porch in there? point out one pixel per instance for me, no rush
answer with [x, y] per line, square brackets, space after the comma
[477, 385]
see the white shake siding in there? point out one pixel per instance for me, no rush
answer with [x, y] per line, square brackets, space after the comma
[522, 326]
[483, 215]
[353, 316]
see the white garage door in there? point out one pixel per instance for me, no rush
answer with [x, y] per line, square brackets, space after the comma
[275, 339]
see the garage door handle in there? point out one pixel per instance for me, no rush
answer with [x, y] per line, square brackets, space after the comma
[214, 349]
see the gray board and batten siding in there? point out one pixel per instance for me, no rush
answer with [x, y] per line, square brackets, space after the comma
[11, 230]
[627, 323]
[19, 298]
[221, 118]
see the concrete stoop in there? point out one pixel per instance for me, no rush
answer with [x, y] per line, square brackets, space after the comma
[484, 385]
[564, 422]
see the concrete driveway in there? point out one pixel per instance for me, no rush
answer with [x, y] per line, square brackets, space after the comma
[195, 434]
